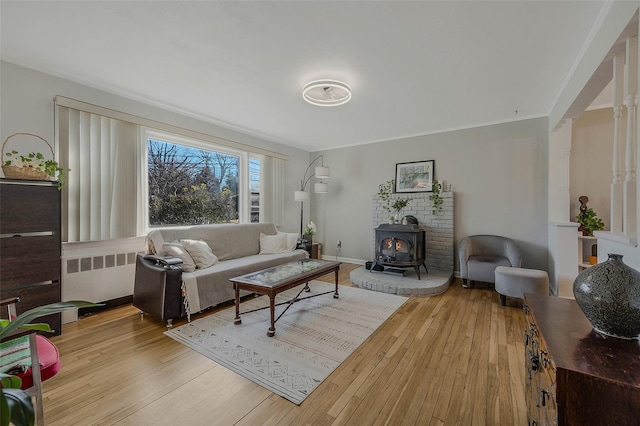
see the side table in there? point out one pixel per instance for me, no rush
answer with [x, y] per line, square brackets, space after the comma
[314, 249]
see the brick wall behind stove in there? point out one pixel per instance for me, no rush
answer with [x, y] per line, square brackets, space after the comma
[438, 228]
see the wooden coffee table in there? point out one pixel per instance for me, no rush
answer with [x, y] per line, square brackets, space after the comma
[273, 281]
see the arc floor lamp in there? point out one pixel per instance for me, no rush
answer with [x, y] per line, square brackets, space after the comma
[320, 172]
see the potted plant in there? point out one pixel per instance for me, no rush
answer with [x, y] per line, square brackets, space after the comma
[309, 230]
[15, 403]
[393, 206]
[33, 165]
[589, 222]
[398, 205]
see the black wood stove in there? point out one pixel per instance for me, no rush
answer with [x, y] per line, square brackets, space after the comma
[400, 246]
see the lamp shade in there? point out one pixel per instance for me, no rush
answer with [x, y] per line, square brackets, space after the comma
[321, 188]
[301, 196]
[323, 172]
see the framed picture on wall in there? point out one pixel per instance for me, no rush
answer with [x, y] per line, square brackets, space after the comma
[416, 176]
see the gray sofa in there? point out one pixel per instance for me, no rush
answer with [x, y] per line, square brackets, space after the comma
[480, 255]
[238, 251]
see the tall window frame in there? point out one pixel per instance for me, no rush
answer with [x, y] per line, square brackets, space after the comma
[244, 193]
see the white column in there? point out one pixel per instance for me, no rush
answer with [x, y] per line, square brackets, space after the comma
[562, 233]
[559, 168]
[616, 183]
[631, 88]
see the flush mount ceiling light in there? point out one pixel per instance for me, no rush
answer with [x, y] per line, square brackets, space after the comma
[326, 93]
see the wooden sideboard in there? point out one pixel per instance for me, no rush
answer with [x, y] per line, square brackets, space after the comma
[574, 375]
[30, 245]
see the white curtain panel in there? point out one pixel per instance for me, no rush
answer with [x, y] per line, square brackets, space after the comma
[277, 191]
[266, 198]
[102, 194]
[272, 190]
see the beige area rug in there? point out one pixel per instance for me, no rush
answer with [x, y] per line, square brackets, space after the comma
[312, 338]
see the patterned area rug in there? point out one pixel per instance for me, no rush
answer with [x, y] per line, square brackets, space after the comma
[312, 338]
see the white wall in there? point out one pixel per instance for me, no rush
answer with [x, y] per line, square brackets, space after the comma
[591, 157]
[27, 105]
[498, 174]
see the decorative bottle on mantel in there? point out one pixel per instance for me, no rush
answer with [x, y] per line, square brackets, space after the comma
[609, 295]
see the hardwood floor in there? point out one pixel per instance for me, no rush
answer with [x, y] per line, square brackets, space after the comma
[452, 359]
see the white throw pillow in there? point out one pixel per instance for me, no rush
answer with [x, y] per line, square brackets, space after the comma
[292, 240]
[270, 244]
[200, 252]
[177, 250]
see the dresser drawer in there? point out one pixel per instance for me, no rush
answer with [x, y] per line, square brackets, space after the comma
[29, 208]
[29, 260]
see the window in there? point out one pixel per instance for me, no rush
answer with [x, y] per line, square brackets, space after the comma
[126, 167]
[254, 187]
[189, 185]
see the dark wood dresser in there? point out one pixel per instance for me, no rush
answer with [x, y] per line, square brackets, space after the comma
[575, 376]
[30, 245]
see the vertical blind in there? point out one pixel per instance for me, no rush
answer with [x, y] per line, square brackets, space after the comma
[101, 197]
[272, 190]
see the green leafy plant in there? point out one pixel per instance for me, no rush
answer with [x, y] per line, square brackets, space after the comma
[589, 221]
[37, 161]
[14, 401]
[436, 199]
[15, 404]
[400, 204]
[393, 206]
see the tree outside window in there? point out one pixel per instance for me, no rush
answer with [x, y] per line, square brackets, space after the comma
[189, 186]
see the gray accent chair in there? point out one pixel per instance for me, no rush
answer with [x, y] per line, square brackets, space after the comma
[480, 255]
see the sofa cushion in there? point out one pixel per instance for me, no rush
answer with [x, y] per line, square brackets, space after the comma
[227, 240]
[200, 252]
[292, 239]
[270, 244]
[177, 250]
[213, 285]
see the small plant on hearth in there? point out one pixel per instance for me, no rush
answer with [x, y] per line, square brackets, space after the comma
[393, 205]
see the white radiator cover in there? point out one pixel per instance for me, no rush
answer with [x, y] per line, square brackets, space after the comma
[98, 271]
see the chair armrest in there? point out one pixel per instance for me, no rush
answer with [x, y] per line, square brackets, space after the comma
[513, 253]
[9, 301]
[464, 252]
[162, 261]
[157, 287]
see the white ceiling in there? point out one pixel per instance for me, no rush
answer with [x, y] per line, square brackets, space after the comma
[414, 67]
